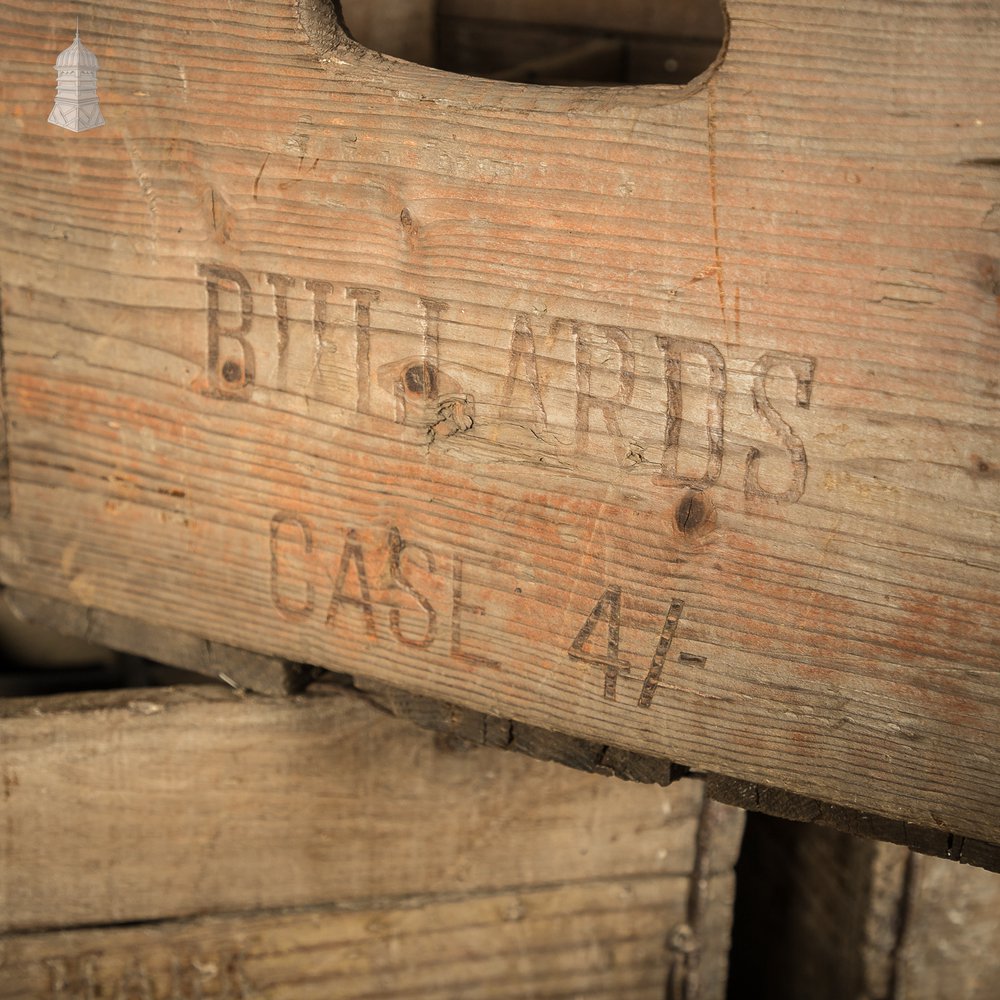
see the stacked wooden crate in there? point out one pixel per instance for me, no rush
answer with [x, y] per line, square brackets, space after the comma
[199, 843]
[648, 427]
[202, 843]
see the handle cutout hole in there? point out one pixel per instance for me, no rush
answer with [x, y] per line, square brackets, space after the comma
[553, 42]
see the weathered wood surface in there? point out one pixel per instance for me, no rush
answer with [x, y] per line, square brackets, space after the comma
[834, 917]
[140, 805]
[248, 671]
[664, 418]
[487, 730]
[459, 865]
[950, 941]
[597, 940]
[268, 675]
[857, 823]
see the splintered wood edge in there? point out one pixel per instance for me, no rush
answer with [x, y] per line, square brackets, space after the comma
[801, 808]
[507, 734]
[269, 675]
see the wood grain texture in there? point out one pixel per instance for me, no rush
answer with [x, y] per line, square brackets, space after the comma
[607, 939]
[664, 418]
[267, 675]
[159, 804]
[252, 672]
[949, 945]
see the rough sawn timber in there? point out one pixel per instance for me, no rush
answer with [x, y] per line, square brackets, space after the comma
[345, 853]
[602, 940]
[661, 417]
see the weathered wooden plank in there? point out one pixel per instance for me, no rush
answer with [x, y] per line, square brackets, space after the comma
[263, 674]
[799, 808]
[25, 644]
[603, 939]
[951, 930]
[145, 805]
[664, 418]
[457, 723]
[484, 730]
[267, 675]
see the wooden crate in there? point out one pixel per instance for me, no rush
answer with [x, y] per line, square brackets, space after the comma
[661, 417]
[195, 842]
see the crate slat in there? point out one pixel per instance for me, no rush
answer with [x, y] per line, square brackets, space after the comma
[164, 804]
[604, 939]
